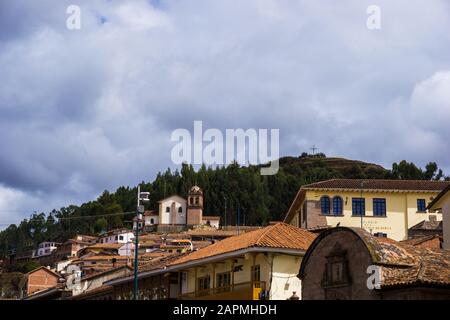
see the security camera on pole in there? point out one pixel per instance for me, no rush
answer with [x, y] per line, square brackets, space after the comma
[144, 197]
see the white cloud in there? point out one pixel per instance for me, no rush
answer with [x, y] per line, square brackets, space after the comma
[430, 101]
[93, 109]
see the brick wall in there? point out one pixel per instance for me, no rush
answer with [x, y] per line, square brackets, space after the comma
[312, 215]
[41, 279]
[194, 216]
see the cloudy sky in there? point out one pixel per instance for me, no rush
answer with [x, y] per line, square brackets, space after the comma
[92, 109]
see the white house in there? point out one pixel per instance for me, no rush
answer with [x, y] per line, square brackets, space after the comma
[151, 218]
[45, 248]
[116, 236]
[212, 221]
[172, 210]
[176, 212]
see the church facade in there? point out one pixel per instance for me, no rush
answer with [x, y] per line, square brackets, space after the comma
[176, 213]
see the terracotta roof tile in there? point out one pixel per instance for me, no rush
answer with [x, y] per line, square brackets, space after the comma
[424, 241]
[279, 235]
[400, 264]
[378, 184]
[404, 264]
[105, 257]
[106, 246]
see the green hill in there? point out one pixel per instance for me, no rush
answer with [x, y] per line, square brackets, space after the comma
[259, 199]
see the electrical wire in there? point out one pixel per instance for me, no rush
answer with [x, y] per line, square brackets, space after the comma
[80, 217]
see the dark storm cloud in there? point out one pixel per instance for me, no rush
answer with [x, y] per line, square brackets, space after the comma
[91, 109]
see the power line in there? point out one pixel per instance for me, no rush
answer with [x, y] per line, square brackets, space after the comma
[96, 216]
[80, 217]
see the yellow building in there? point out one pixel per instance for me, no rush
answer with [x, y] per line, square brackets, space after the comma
[383, 207]
[442, 204]
[258, 264]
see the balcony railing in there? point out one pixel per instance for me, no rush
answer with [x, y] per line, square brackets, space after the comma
[249, 290]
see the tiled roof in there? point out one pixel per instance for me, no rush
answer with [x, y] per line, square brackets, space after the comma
[400, 264]
[432, 266]
[55, 274]
[160, 262]
[151, 213]
[423, 241]
[378, 184]
[106, 246]
[428, 225]
[278, 235]
[211, 232]
[105, 257]
[115, 232]
[102, 273]
[104, 289]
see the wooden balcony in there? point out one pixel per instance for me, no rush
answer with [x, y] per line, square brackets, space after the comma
[239, 291]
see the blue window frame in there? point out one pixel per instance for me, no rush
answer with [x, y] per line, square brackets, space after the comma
[421, 205]
[337, 206]
[325, 205]
[358, 206]
[379, 207]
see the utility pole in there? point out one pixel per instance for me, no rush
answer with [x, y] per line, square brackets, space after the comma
[136, 251]
[141, 196]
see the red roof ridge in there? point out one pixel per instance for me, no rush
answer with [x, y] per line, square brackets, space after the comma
[263, 234]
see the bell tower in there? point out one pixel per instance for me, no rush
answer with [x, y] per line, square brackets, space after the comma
[195, 206]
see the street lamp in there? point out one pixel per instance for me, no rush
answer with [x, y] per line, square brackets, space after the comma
[144, 197]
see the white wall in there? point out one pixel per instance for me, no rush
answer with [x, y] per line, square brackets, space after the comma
[148, 222]
[284, 277]
[124, 237]
[165, 217]
[127, 249]
[45, 248]
[93, 283]
[213, 223]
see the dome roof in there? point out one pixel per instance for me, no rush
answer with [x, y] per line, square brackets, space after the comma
[195, 189]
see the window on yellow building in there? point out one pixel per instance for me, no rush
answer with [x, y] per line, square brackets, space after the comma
[379, 207]
[337, 206]
[421, 205]
[325, 205]
[358, 206]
